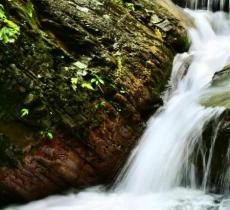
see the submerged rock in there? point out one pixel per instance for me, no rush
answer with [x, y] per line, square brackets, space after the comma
[77, 86]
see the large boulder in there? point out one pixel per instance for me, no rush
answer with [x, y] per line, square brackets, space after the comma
[78, 80]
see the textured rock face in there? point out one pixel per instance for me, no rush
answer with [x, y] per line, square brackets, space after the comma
[216, 137]
[221, 157]
[218, 92]
[77, 87]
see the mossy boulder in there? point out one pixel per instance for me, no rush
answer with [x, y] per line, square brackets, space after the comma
[77, 86]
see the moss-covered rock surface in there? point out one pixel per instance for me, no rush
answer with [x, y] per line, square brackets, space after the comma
[78, 80]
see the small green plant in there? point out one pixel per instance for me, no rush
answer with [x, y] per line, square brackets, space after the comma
[30, 10]
[2, 13]
[120, 2]
[87, 85]
[83, 77]
[9, 31]
[130, 6]
[159, 34]
[81, 65]
[74, 82]
[98, 81]
[50, 135]
[47, 134]
[24, 112]
[101, 104]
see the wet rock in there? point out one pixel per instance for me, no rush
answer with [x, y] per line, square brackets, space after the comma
[217, 93]
[79, 83]
[216, 137]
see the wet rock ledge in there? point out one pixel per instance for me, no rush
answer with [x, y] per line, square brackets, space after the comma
[78, 80]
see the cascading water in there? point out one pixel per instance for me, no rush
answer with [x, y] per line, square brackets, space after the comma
[160, 174]
[205, 4]
[161, 161]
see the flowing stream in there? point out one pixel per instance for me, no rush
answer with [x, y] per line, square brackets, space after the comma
[159, 174]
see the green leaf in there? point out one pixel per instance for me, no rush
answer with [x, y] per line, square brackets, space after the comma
[93, 80]
[82, 72]
[74, 82]
[101, 81]
[120, 2]
[2, 13]
[50, 135]
[80, 65]
[158, 34]
[47, 134]
[24, 112]
[101, 104]
[130, 6]
[87, 85]
[97, 80]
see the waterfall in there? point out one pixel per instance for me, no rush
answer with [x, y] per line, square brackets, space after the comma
[212, 5]
[162, 159]
[159, 174]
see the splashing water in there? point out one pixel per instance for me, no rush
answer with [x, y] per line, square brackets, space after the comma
[159, 174]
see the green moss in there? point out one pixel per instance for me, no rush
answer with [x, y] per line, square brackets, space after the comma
[120, 2]
[130, 6]
[120, 68]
